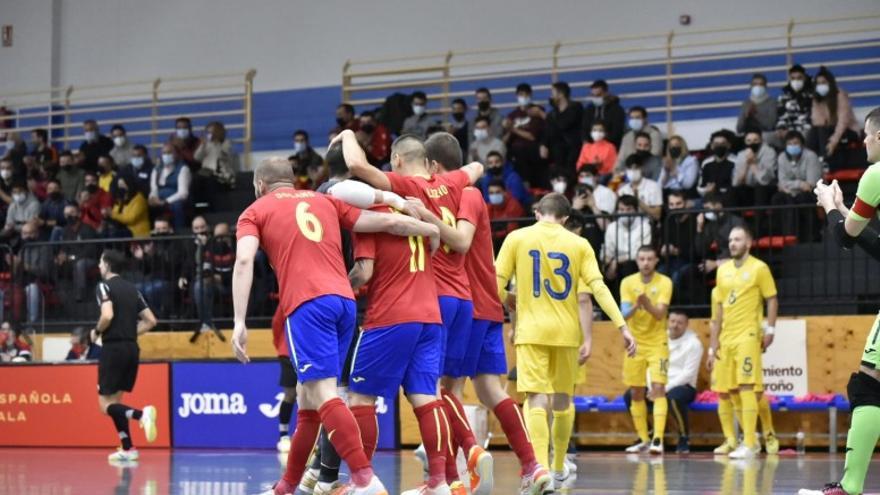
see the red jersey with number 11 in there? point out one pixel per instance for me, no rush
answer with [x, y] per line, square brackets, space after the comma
[299, 231]
[480, 260]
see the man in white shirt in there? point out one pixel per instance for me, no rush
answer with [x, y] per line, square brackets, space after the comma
[623, 238]
[685, 356]
[605, 198]
[647, 191]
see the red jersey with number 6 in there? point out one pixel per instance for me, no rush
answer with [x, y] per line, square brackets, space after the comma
[402, 288]
[299, 231]
[480, 261]
[441, 194]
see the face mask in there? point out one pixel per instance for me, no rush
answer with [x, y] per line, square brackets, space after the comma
[167, 159]
[6, 174]
[71, 219]
[633, 175]
[496, 199]
[55, 196]
[758, 91]
[481, 134]
[496, 170]
[755, 147]
[182, 133]
[626, 221]
[636, 124]
[209, 136]
[675, 152]
[122, 191]
[597, 136]
[418, 109]
[18, 197]
[458, 116]
[484, 105]
[368, 128]
[298, 147]
[588, 180]
[137, 161]
[523, 101]
[643, 154]
[793, 149]
[340, 122]
[596, 100]
[560, 187]
[711, 216]
[91, 136]
[720, 150]
[10, 144]
[822, 89]
[92, 188]
[119, 141]
[797, 84]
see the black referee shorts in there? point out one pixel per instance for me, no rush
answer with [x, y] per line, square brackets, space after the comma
[288, 373]
[118, 367]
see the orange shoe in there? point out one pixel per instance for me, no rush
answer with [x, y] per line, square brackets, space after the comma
[479, 466]
[457, 488]
[537, 483]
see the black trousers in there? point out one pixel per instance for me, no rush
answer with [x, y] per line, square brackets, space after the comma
[679, 398]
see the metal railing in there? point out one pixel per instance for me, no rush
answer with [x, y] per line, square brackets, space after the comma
[672, 61]
[146, 108]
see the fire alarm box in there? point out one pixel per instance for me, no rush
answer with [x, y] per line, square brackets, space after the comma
[7, 35]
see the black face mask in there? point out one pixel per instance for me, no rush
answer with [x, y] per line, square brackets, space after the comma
[484, 106]
[720, 150]
[643, 153]
[55, 196]
[368, 128]
[340, 121]
[755, 147]
[458, 116]
[91, 188]
[496, 170]
[71, 220]
[675, 152]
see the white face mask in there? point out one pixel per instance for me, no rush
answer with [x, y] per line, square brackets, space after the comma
[597, 136]
[496, 198]
[137, 161]
[711, 216]
[797, 84]
[481, 134]
[167, 159]
[119, 141]
[596, 100]
[588, 180]
[91, 136]
[636, 124]
[626, 221]
[6, 174]
[209, 137]
[18, 197]
[758, 91]
[418, 109]
[523, 101]
[10, 144]
[560, 187]
[298, 147]
[182, 133]
[633, 175]
[822, 89]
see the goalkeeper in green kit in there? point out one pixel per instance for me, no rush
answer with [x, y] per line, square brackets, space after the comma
[850, 227]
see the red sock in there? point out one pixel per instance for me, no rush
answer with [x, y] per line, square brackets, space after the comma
[452, 461]
[308, 425]
[368, 423]
[514, 427]
[461, 429]
[342, 429]
[434, 428]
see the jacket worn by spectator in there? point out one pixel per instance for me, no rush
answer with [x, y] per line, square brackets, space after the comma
[757, 114]
[766, 173]
[718, 172]
[19, 214]
[186, 147]
[846, 120]
[794, 110]
[602, 153]
[309, 158]
[218, 160]
[418, 125]
[122, 154]
[480, 149]
[716, 233]
[92, 210]
[628, 146]
[53, 210]
[795, 171]
[91, 151]
[683, 178]
[624, 237]
[610, 113]
[79, 232]
[680, 230]
[496, 121]
[140, 176]
[512, 182]
[509, 208]
[36, 262]
[171, 184]
[72, 180]
[563, 136]
[134, 213]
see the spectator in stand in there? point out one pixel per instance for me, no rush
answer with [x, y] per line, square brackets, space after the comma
[219, 163]
[602, 199]
[374, 139]
[24, 208]
[754, 174]
[485, 109]
[52, 210]
[677, 244]
[139, 170]
[496, 168]
[82, 347]
[623, 238]
[502, 205]
[680, 170]
[317, 175]
[34, 263]
[563, 137]
[833, 123]
[713, 230]
[794, 105]
[156, 265]
[218, 261]
[7, 179]
[458, 124]
[604, 107]
[75, 260]
[559, 183]
[169, 185]
[638, 123]
[122, 147]
[419, 122]
[95, 146]
[523, 131]
[484, 142]
[130, 209]
[106, 172]
[41, 151]
[71, 177]
[759, 111]
[647, 192]
[345, 119]
[598, 151]
[716, 173]
[799, 170]
[94, 203]
[303, 151]
[16, 150]
[585, 219]
[185, 142]
[652, 165]
[193, 262]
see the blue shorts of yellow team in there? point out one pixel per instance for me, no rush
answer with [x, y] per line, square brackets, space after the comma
[319, 334]
[544, 369]
[485, 353]
[738, 363]
[648, 358]
[457, 315]
[407, 354]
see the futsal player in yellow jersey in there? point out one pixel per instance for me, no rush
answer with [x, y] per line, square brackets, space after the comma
[549, 262]
[644, 301]
[744, 284]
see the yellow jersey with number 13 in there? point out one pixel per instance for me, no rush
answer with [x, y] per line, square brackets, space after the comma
[741, 292]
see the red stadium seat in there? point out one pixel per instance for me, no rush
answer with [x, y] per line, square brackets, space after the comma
[846, 175]
[776, 241]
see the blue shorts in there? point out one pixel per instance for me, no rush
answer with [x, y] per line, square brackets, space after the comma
[485, 352]
[407, 354]
[319, 334]
[457, 315]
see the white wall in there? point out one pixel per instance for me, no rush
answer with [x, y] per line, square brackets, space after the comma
[304, 43]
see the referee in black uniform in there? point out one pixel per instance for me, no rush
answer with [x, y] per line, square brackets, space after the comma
[124, 316]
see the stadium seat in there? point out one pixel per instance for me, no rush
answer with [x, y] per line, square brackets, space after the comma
[846, 175]
[617, 405]
[587, 403]
[776, 241]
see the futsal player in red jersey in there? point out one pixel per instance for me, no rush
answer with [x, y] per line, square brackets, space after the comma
[300, 233]
[440, 193]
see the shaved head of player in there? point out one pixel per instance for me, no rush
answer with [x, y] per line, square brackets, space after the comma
[408, 156]
[271, 174]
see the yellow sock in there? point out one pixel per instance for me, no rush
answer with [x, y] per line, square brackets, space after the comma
[766, 416]
[737, 408]
[639, 411]
[539, 432]
[659, 476]
[725, 415]
[563, 424]
[749, 417]
[660, 408]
